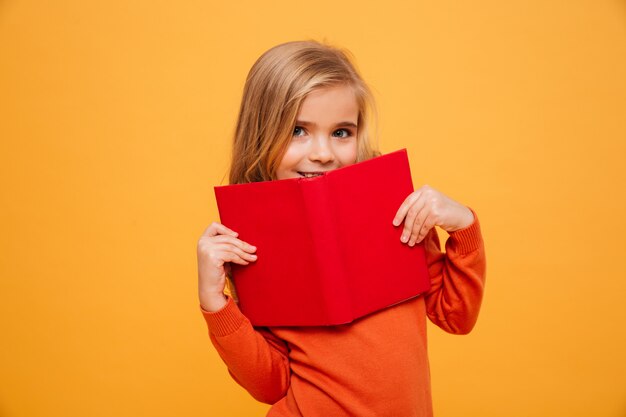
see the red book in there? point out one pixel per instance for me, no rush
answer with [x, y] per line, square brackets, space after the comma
[328, 252]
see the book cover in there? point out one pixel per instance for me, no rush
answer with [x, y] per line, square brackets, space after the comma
[328, 252]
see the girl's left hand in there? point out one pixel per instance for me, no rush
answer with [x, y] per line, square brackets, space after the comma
[426, 208]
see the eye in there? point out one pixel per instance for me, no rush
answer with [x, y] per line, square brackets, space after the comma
[342, 133]
[298, 131]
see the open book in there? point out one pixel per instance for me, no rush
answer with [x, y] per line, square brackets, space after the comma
[328, 252]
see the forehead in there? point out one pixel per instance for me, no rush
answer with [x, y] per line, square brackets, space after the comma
[334, 102]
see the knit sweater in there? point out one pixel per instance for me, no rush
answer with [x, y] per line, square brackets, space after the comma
[374, 366]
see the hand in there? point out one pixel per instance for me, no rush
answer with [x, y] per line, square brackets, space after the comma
[217, 246]
[426, 208]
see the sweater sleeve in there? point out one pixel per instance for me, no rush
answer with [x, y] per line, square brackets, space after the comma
[457, 278]
[256, 359]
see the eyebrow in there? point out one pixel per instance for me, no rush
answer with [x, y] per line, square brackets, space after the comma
[342, 124]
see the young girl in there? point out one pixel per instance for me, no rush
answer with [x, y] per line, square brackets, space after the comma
[305, 110]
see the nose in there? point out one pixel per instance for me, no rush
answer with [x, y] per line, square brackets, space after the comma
[321, 151]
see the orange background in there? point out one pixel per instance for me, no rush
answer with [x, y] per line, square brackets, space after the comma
[115, 123]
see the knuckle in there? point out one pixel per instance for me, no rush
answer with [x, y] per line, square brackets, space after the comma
[214, 259]
[211, 255]
[203, 247]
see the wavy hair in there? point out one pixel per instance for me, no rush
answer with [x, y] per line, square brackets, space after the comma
[275, 88]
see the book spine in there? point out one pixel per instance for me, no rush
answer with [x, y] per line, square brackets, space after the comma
[322, 220]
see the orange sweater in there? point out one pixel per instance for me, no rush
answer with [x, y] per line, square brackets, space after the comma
[374, 366]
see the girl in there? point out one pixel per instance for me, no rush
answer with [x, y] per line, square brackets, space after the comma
[305, 110]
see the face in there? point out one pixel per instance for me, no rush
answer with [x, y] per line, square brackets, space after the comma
[325, 134]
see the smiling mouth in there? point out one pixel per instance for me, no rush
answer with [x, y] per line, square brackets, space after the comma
[310, 174]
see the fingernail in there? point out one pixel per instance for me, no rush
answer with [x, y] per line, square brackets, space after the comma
[404, 238]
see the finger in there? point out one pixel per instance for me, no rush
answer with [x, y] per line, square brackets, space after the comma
[234, 258]
[404, 207]
[230, 248]
[412, 216]
[420, 217]
[234, 241]
[429, 223]
[217, 228]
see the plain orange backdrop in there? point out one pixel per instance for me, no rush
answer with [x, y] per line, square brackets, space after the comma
[115, 124]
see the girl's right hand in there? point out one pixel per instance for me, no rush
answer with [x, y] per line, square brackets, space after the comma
[217, 246]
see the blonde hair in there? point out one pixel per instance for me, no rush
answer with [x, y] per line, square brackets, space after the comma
[275, 88]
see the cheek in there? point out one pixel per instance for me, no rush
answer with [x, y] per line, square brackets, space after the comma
[290, 157]
[348, 155]
[287, 163]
